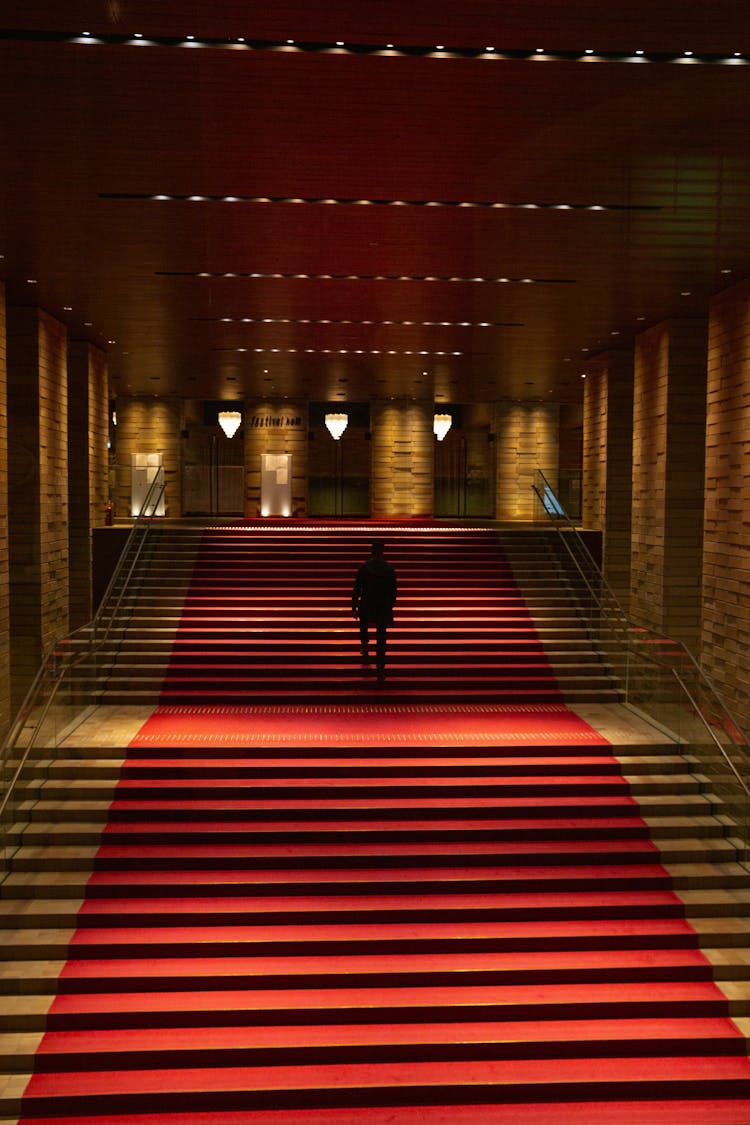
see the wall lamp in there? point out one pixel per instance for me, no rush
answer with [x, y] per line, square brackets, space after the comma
[336, 424]
[230, 421]
[441, 423]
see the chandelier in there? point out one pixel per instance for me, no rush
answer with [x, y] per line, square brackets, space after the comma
[336, 424]
[441, 423]
[230, 421]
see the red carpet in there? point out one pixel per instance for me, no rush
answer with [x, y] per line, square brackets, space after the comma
[470, 923]
[369, 725]
[267, 619]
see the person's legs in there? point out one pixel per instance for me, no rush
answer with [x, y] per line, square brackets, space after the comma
[364, 637]
[381, 641]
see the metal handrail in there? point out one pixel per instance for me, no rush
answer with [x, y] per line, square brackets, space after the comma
[625, 627]
[737, 775]
[49, 665]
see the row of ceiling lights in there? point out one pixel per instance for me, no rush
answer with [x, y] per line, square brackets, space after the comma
[363, 277]
[455, 203]
[377, 323]
[331, 351]
[437, 50]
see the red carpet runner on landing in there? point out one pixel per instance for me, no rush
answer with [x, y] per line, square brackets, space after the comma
[369, 725]
[454, 934]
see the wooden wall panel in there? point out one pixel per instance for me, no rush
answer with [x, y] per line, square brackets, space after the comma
[403, 459]
[608, 463]
[38, 489]
[88, 462]
[5, 704]
[148, 425]
[726, 565]
[276, 427]
[669, 418]
[527, 439]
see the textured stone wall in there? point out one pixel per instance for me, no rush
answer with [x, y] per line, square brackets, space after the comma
[608, 463]
[403, 459]
[527, 439]
[88, 464]
[148, 425]
[669, 420]
[5, 705]
[726, 569]
[275, 427]
[38, 489]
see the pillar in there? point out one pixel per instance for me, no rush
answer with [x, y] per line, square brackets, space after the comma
[37, 489]
[403, 459]
[608, 463]
[282, 428]
[88, 467]
[669, 422]
[148, 425]
[5, 701]
[527, 440]
[726, 574]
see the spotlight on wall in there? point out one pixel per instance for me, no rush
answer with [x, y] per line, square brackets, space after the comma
[441, 423]
[230, 421]
[336, 424]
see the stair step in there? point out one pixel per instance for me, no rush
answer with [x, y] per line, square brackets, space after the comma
[139, 1048]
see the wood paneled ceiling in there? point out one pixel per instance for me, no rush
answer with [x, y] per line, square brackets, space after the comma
[463, 201]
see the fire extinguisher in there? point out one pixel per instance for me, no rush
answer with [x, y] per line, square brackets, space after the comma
[109, 514]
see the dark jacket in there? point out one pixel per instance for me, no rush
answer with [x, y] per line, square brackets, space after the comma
[374, 592]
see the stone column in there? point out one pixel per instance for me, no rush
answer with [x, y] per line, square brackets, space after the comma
[38, 489]
[5, 703]
[608, 463]
[403, 459]
[726, 551]
[669, 424]
[88, 466]
[275, 427]
[527, 440]
[148, 425]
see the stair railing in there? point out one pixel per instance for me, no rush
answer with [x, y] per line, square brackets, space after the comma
[68, 683]
[659, 676]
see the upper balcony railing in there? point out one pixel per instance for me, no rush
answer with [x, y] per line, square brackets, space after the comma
[69, 682]
[657, 674]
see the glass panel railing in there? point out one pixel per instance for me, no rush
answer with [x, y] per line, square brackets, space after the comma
[657, 675]
[70, 680]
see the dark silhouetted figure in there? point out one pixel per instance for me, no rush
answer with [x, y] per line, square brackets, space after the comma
[373, 599]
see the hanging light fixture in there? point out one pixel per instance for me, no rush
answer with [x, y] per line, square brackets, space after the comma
[336, 424]
[441, 423]
[230, 421]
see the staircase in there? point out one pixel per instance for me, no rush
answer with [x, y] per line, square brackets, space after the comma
[519, 935]
[526, 933]
[263, 614]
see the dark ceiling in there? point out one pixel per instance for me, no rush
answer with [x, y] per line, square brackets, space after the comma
[433, 218]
